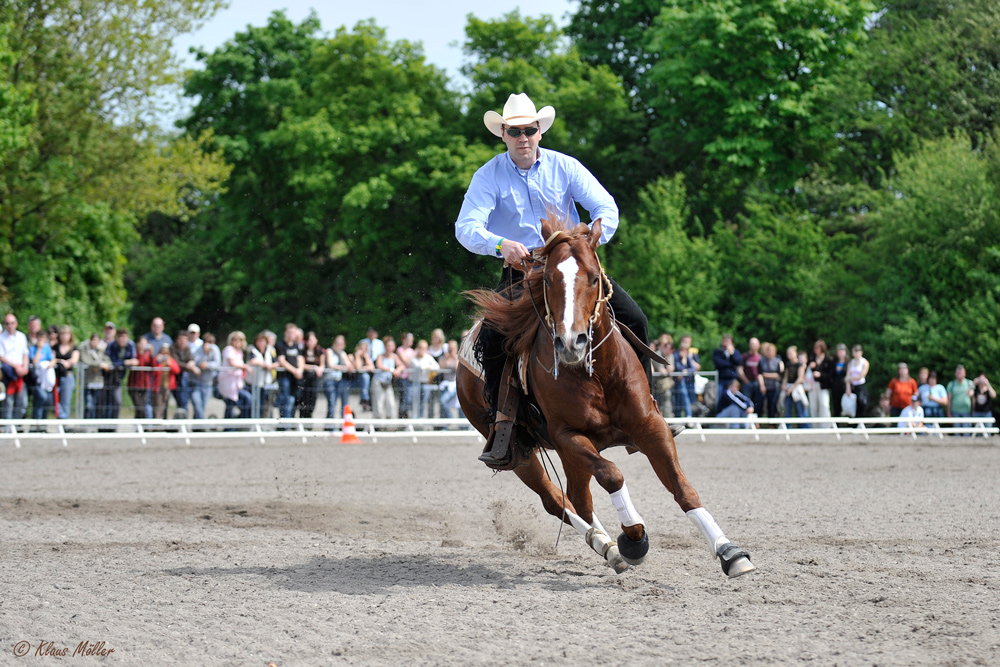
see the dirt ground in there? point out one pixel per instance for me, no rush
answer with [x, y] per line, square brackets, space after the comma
[885, 553]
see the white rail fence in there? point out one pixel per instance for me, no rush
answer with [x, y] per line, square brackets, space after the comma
[16, 431]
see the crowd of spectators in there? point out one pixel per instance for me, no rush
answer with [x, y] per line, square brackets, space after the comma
[267, 377]
[285, 377]
[759, 382]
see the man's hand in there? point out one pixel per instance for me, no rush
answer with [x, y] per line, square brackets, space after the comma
[513, 253]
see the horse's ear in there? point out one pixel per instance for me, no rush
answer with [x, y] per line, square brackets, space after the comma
[595, 234]
[547, 229]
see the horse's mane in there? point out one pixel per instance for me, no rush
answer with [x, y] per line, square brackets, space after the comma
[517, 313]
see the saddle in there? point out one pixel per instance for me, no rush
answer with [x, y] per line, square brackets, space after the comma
[519, 425]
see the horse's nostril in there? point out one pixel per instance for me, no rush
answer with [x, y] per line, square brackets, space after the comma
[560, 344]
[581, 340]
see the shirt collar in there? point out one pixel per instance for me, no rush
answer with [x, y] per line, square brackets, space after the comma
[510, 160]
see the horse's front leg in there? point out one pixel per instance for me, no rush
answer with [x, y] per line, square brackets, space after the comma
[657, 443]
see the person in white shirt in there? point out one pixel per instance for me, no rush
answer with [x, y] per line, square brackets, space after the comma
[421, 366]
[14, 361]
[912, 417]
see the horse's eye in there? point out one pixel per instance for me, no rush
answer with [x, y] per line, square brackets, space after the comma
[594, 281]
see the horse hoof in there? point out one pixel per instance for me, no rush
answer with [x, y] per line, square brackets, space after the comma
[634, 551]
[735, 561]
[615, 560]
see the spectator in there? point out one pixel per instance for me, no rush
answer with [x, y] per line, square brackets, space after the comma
[364, 367]
[982, 397]
[687, 364]
[290, 367]
[53, 337]
[796, 401]
[933, 396]
[821, 367]
[67, 356]
[43, 362]
[140, 380]
[728, 364]
[901, 388]
[262, 371]
[122, 353]
[231, 376]
[109, 334]
[421, 367]
[883, 408]
[663, 383]
[95, 364]
[207, 360]
[337, 380]
[771, 370]
[404, 353]
[34, 329]
[156, 337]
[733, 403]
[960, 391]
[387, 368]
[194, 337]
[912, 416]
[376, 347]
[855, 384]
[164, 381]
[314, 363]
[754, 383]
[448, 387]
[437, 346]
[809, 381]
[839, 387]
[15, 362]
[184, 356]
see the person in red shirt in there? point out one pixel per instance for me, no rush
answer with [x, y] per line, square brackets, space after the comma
[901, 388]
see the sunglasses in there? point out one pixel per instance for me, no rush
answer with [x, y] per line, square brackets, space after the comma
[516, 131]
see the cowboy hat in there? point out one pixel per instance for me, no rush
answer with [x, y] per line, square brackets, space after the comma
[519, 110]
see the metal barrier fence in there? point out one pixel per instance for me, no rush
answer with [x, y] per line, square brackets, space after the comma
[372, 430]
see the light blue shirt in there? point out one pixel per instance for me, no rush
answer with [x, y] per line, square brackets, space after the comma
[504, 202]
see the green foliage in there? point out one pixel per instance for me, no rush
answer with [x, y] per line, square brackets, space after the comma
[673, 277]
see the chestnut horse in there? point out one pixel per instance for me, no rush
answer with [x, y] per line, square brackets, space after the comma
[591, 388]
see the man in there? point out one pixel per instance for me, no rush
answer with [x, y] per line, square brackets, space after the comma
[156, 337]
[376, 348]
[194, 337]
[14, 362]
[733, 404]
[109, 334]
[912, 416]
[960, 391]
[96, 364]
[502, 212]
[123, 355]
[728, 364]
[181, 352]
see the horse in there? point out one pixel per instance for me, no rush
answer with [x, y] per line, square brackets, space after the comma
[593, 392]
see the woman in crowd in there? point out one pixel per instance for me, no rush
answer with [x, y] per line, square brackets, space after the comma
[95, 364]
[207, 360]
[687, 364]
[933, 396]
[771, 370]
[140, 381]
[387, 367]
[821, 369]
[164, 381]
[796, 401]
[337, 380]
[437, 346]
[67, 356]
[857, 372]
[901, 389]
[44, 380]
[262, 372]
[312, 373]
[231, 376]
[448, 397]
[839, 387]
[405, 352]
[982, 397]
[364, 367]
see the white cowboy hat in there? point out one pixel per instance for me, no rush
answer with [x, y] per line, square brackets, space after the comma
[519, 110]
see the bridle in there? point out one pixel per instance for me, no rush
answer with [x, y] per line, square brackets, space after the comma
[540, 257]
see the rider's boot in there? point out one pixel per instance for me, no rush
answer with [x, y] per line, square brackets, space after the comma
[500, 452]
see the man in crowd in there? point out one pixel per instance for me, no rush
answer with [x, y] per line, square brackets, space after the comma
[960, 391]
[14, 360]
[194, 337]
[96, 364]
[156, 337]
[181, 352]
[729, 365]
[109, 334]
[501, 217]
[734, 404]
[123, 355]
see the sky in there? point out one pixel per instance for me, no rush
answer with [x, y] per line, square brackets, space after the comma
[440, 26]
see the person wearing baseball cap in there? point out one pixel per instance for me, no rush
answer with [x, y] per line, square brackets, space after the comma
[502, 215]
[194, 337]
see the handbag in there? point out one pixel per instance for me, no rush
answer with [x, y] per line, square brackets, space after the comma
[849, 405]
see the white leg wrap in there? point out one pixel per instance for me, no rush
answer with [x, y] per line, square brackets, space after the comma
[597, 525]
[581, 526]
[706, 524]
[626, 510]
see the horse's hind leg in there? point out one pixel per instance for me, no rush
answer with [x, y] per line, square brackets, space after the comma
[535, 478]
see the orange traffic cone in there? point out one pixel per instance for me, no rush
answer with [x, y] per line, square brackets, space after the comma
[349, 435]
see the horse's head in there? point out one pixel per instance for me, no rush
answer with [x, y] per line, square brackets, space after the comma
[573, 285]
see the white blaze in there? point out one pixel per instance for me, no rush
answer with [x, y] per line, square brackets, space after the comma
[569, 269]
